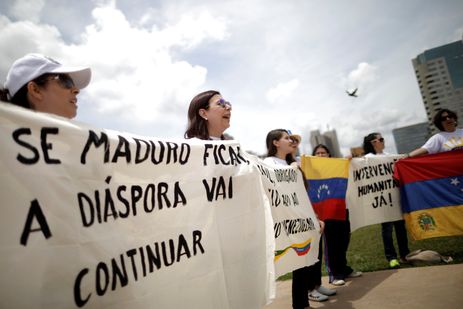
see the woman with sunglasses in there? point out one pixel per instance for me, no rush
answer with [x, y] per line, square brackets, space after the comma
[44, 85]
[208, 116]
[280, 148]
[373, 145]
[449, 137]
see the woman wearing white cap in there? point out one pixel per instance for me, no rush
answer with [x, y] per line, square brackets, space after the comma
[43, 84]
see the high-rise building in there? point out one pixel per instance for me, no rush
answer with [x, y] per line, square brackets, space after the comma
[439, 72]
[329, 139]
[411, 137]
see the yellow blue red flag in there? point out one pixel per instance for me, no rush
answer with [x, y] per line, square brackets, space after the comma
[432, 194]
[327, 185]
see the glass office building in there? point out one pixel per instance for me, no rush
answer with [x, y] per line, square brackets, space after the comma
[329, 138]
[439, 72]
[411, 137]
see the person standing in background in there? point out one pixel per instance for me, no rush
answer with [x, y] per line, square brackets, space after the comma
[373, 145]
[449, 137]
[319, 293]
[337, 238]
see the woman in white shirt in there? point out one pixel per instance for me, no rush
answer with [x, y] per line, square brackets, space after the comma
[280, 147]
[373, 145]
[279, 152]
[450, 137]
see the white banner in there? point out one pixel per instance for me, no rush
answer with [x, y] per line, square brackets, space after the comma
[94, 218]
[372, 195]
[296, 227]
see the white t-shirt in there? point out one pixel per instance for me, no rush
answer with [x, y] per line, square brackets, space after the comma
[275, 161]
[377, 154]
[444, 141]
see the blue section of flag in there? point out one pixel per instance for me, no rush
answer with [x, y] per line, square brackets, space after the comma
[442, 192]
[322, 189]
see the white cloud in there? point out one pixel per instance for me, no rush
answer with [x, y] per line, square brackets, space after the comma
[135, 74]
[151, 58]
[27, 9]
[282, 90]
[362, 77]
[19, 38]
[192, 29]
[135, 78]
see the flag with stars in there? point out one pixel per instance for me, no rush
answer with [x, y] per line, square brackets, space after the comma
[432, 194]
[327, 185]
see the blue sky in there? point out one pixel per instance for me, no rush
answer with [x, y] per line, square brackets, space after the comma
[282, 64]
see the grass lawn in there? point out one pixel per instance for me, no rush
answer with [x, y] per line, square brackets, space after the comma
[366, 251]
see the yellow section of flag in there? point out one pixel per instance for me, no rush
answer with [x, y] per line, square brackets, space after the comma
[324, 168]
[435, 222]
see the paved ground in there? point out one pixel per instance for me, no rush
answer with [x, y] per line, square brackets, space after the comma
[411, 288]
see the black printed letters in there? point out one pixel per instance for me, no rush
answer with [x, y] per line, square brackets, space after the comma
[45, 145]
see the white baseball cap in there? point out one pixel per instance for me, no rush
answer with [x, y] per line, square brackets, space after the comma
[32, 66]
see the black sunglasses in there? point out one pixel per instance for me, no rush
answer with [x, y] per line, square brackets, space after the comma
[381, 140]
[444, 118]
[64, 80]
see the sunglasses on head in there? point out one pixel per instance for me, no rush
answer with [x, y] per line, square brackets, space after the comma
[443, 118]
[64, 80]
[381, 140]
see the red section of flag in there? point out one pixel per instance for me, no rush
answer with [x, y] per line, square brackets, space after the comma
[330, 209]
[440, 165]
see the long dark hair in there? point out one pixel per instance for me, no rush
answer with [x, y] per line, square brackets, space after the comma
[272, 150]
[20, 97]
[437, 118]
[367, 145]
[321, 146]
[197, 125]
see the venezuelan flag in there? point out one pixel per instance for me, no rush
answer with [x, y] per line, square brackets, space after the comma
[431, 194]
[327, 182]
[300, 249]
